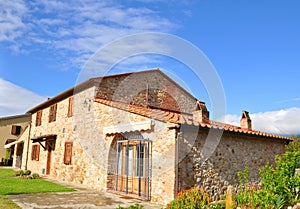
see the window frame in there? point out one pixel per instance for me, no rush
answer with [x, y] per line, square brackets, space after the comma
[16, 130]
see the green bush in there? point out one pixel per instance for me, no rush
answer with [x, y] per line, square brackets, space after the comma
[278, 186]
[18, 173]
[27, 172]
[294, 146]
[35, 176]
[193, 198]
[136, 206]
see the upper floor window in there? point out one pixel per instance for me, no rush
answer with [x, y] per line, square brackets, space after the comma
[16, 130]
[70, 107]
[38, 120]
[52, 113]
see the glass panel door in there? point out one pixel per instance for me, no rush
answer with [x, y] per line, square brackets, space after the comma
[133, 173]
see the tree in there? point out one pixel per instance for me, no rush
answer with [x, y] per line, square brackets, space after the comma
[293, 146]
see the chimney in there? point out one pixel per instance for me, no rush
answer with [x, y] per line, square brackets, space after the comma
[201, 114]
[246, 123]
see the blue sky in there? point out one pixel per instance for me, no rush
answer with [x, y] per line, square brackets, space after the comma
[253, 45]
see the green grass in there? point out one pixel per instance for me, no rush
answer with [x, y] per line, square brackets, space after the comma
[6, 172]
[9, 185]
[7, 203]
[27, 186]
[15, 185]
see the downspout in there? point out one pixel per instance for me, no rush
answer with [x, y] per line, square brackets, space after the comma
[28, 140]
[178, 136]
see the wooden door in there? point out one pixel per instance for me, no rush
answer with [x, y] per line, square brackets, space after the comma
[48, 168]
[50, 146]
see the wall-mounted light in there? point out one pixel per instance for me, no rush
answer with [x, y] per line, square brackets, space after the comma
[87, 103]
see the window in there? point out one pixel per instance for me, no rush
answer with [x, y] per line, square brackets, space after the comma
[70, 108]
[35, 152]
[38, 121]
[16, 130]
[52, 113]
[68, 153]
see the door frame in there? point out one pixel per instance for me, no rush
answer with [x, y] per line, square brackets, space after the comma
[123, 158]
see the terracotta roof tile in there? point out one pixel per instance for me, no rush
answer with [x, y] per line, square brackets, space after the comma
[182, 118]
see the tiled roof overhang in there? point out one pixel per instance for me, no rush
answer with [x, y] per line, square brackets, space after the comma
[184, 118]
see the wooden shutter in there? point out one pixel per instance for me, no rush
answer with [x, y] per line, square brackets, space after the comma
[68, 153]
[38, 121]
[70, 107]
[35, 152]
[15, 130]
[52, 113]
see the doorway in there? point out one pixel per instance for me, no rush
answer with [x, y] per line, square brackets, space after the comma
[50, 146]
[133, 167]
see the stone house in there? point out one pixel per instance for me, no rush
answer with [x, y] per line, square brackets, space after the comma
[143, 135]
[11, 128]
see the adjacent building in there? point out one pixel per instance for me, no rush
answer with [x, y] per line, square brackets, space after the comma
[11, 128]
[141, 134]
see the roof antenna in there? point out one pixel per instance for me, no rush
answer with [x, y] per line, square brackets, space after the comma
[147, 94]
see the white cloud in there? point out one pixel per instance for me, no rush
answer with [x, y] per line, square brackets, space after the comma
[11, 23]
[15, 99]
[73, 29]
[283, 122]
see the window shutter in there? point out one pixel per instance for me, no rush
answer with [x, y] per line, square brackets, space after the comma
[33, 150]
[13, 130]
[37, 153]
[38, 121]
[70, 108]
[68, 153]
[54, 112]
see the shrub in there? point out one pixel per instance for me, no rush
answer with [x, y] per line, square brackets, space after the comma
[18, 173]
[27, 172]
[190, 199]
[278, 186]
[294, 146]
[136, 206]
[35, 176]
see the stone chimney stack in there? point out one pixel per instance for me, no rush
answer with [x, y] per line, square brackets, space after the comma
[201, 114]
[246, 123]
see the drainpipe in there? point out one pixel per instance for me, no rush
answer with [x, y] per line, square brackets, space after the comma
[28, 140]
[178, 136]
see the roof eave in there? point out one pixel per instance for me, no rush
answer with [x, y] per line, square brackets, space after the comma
[69, 92]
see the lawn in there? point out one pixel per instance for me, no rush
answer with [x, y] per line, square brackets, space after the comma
[16, 185]
[25, 186]
[10, 185]
[6, 172]
[6, 203]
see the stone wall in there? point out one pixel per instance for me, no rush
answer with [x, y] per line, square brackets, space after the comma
[76, 129]
[233, 153]
[162, 151]
[150, 88]
[91, 148]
